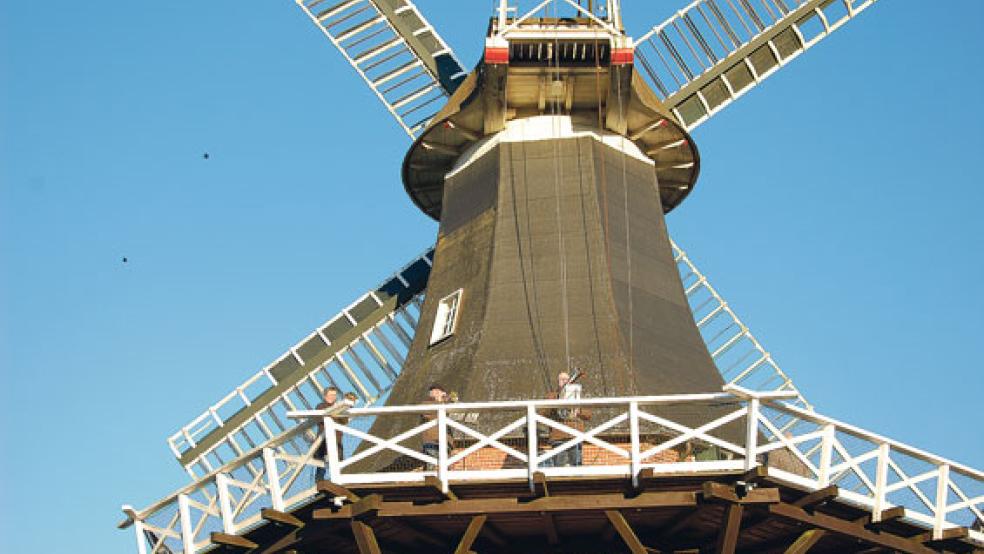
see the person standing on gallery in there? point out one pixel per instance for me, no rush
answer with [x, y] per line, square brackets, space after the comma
[571, 416]
[329, 401]
[436, 394]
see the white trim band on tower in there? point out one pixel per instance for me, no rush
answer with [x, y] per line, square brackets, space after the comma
[544, 127]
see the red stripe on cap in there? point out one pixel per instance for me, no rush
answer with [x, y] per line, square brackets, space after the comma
[622, 56]
[497, 55]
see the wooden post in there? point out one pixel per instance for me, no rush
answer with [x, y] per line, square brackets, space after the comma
[728, 536]
[365, 538]
[471, 533]
[625, 531]
[806, 541]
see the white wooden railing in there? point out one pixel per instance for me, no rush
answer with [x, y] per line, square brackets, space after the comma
[627, 433]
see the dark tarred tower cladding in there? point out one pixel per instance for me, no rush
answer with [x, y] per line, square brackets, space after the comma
[550, 171]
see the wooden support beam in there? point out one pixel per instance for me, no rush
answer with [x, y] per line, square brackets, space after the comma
[580, 502]
[846, 528]
[333, 490]
[646, 474]
[809, 500]
[281, 518]
[625, 531]
[366, 506]
[718, 492]
[365, 538]
[434, 483]
[232, 541]
[953, 533]
[727, 539]
[471, 533]
[540, 484]
[887, 516]
[806, 541]
[756, 474]
[817, 498]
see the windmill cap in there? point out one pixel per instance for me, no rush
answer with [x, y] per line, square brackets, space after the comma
[470, 117]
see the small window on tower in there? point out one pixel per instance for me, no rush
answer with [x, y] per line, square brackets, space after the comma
[447, 317]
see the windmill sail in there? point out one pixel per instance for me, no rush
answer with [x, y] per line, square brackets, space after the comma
[360, 349]
[395, 50]
[710, 53]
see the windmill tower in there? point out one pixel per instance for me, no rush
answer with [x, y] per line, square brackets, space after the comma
[550, 167]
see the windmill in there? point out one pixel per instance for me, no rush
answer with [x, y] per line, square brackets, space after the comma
[517, 260]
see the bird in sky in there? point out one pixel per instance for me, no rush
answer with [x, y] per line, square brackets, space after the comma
[205, 156]
[125, 259]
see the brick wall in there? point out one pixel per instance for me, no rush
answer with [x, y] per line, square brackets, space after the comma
[489, 457]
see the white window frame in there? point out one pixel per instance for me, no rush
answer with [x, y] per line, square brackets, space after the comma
[446, 318]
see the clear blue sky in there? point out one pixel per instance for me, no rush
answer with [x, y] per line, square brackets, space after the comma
[838, 211]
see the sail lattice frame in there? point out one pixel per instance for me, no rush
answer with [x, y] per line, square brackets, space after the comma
[712, 52]
[395, 50]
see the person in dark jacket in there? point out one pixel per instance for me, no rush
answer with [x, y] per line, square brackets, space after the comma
[329, 401]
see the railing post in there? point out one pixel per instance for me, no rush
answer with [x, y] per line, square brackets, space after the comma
[881, 481]
[331, 447]
[273, 480]
[531, 444]
[751, 433]
[138, 526]
[225, 504]
[187, 534]
[942, 491]
[442, 447]
[634, 461]
[826, 454]
[615, 13]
